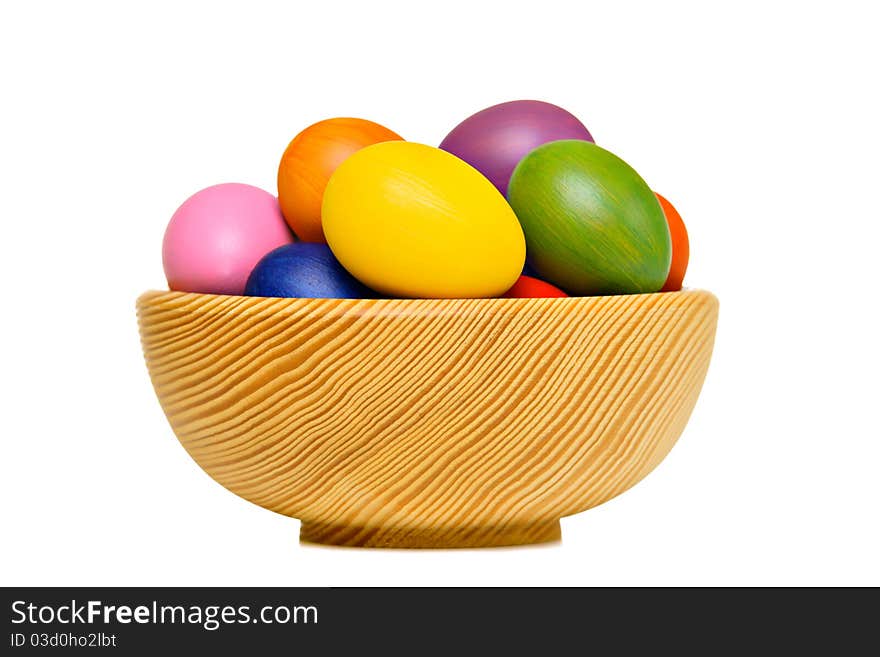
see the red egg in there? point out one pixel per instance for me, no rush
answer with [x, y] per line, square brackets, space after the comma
[527, 287]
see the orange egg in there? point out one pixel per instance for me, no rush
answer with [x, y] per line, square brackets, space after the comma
[309, 161]
[680, 246]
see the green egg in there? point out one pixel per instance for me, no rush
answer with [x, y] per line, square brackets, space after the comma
[592, 225]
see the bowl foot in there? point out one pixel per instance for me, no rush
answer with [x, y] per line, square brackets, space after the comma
[468, 537]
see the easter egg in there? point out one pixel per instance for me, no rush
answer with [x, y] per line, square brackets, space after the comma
[217, 236]
[592, 225]
[680, 247]
[411, 220]
[527, 287]
[309, 161]
[306, 270]
[495, 139]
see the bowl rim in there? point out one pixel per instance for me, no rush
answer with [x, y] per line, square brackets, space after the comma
[153, 293]
[199, 304]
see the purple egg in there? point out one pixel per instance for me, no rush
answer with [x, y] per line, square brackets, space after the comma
[494, 140]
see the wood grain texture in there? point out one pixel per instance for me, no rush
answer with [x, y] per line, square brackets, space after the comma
[428, 423]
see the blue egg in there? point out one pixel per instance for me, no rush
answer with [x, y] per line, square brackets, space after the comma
[304, 270]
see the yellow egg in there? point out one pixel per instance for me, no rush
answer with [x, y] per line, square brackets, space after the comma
[410, 220]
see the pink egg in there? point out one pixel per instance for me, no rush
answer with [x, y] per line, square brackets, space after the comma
[218, 235]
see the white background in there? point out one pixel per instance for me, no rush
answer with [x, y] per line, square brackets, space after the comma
[760, 122]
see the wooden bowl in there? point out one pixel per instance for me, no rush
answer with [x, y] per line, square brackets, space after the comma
[428, 423]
